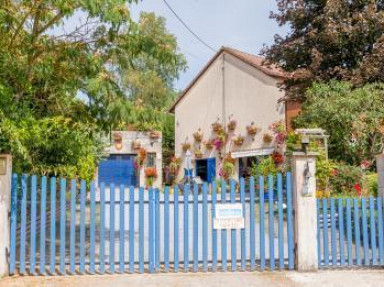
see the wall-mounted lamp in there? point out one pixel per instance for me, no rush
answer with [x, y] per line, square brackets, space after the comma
[306, 191]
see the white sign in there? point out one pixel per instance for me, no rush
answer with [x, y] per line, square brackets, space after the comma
[228, 216]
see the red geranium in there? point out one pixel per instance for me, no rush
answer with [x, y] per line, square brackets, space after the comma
[357, 187]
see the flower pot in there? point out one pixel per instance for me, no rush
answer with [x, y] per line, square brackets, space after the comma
[198, 136]
[252, 130]
[154, 135]
[186, 146]
[209, 145]
[238, 141]
[136, 144]
[217, 127]
[267, 138]
[232, 125]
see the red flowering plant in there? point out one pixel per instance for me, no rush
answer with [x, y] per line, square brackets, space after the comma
[347, 180]
[277, 157]
[279, 131]
[140, 159]
[150, 175]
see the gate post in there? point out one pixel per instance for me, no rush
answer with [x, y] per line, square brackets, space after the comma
[5, 210]
[380, 174]
[305, 214]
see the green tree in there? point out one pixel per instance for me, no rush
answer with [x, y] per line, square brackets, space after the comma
[87, 78]
[340, 39]
[353, 118]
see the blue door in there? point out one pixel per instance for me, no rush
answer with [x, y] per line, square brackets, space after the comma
[118, 169]
[206, 169]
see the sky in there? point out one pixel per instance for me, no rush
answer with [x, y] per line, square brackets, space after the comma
[240, 24]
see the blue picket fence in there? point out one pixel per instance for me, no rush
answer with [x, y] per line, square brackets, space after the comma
[61, 226]
[350, 232]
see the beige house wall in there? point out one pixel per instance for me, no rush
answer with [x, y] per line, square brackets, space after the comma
[248, 94]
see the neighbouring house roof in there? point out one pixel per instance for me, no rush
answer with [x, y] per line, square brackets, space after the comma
[252, 60]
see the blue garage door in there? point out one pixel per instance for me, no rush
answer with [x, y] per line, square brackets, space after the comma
[118, 169]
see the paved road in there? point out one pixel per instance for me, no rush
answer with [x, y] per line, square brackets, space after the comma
[335, 278]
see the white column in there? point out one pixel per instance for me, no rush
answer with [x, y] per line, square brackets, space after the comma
[5, 209]
[380, 173]
[304, 203]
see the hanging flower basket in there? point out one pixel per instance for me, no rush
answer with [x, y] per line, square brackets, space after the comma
[252, 129]
[239, 140]
[209, 145]
[232, 125]
[154, 135]
[217, 127]
[186, 146]
[198, 136]
[198, 154]
[174, 166]
[267, 138]
[141, 157]
[136, 144]
[150, 175]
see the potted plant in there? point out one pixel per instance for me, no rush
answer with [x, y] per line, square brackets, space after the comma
[174, 166]
[154, 135]
[267, 138]
[150, 175]
[217, 127]
[136, 144]
[198, 153]
[141, 156]
[198, 136]
[252, 129]
[186, 146]
[209, 145]
[228, 166]
[232, 125]
[239, 140]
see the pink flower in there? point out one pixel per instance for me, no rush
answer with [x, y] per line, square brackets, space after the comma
[365, 164]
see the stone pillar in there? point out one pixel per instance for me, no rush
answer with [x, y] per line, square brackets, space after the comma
[5, 210]
[380, 174]
[304, 204]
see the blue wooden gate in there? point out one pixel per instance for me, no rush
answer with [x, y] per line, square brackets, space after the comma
[350, 232]
[61, 226]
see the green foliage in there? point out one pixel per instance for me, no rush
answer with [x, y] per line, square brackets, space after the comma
[340, 39]
[353, 118]
[123, 72]
[345, 178]
[265, 167]
[371, 183]
[55, 146]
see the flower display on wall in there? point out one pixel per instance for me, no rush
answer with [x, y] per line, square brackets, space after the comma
[150, 175]
[198, 136]
[252, 129]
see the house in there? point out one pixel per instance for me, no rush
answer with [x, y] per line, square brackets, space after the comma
[234, 89]
[130, 154]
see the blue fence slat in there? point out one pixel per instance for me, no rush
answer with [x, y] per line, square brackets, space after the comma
[186, 241]
[151, 223]
[33, 224]
[23, 222]
[380, 229]
[252, 243]
[131, 230]
[157, 229]
[356, 219]
[195, 227]
[281, 220]
[141, 230]
[214, 231]
[271, 224]
[341, 231]
[242, 232]
[318, 232]
[112, 191]
[92, 229]
[72, 228]
[365, 231]
[83, 188]
[122, 229]
[205, 227]
[325, 232]
[63, 223]
[262, 223]
[349, 231]
[166, 228]
[290, 235]
[176, 228]
[372, 221]
[53, 225]
[333, 232]
[223, 231]
[14, 189]
[233, 231]
[43, 223]
[102, 228]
